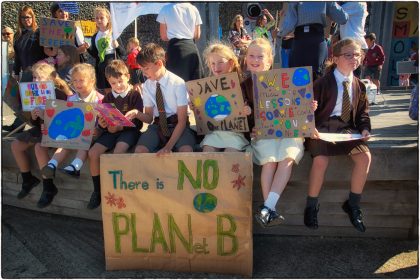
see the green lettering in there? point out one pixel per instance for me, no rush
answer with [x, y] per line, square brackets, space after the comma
[288, 124]
[221, 234]
[114, 174]
[183, 170]
[131, 185]
[157, 235]
[134, 236]
[174, 229]
[117, 231]
[213, 164]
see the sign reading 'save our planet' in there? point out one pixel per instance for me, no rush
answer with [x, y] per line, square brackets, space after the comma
[218, 104]
[56, 32]
[282, 103]
[186, 212]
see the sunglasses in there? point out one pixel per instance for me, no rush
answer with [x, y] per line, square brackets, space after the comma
[6, 34]
[25, 17]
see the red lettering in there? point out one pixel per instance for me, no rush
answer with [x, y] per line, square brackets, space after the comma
[284, 79]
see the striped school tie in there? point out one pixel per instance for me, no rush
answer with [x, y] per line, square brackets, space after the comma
[163, 124]
[345, 110]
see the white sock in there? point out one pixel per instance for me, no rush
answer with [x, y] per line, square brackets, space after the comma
[53, 162]
[77, 163]
[272, 200]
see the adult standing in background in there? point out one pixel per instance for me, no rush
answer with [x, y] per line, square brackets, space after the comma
[26, 46]
[308, 20]
[180, 25]
[238, 36]
[355, 26]
[7, 36]
[262, 29]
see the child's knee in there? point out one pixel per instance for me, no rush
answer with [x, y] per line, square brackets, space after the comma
[185, 149]
[320, 162]
[141, 149]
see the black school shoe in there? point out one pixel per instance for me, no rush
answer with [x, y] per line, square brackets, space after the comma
[355, 216]
[27, 187]
[267, 217]
[311, 217]
[48, 171]
[95, 200]
[47, 196]
[73, 173]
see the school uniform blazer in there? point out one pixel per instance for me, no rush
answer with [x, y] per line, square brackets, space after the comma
[325, 92]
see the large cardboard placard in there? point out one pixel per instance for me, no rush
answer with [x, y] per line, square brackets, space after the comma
[35, 94]
[186, 212]
[68, 124]
[282, 103]
[218, 104]
[11, 94]
[56, 32]
[112, 115]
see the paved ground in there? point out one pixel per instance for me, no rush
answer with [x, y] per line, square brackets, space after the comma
[39, 245]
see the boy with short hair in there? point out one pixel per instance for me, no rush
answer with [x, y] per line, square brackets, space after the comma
[166, 99]
[374, 59]
[119, 138]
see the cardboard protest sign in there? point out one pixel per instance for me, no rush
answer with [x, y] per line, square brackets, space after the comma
[56, 32]
[186, 212]
[68, 124]
[11, 94]
[218, 104]
[112, 115]
[35, 94]
[282, 99]
[88, 27]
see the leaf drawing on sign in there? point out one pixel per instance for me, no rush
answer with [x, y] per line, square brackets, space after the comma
[239, 182]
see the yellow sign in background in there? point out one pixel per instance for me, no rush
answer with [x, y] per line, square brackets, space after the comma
[88, 27]
[186, 212]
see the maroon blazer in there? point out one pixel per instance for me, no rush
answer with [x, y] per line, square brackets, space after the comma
[325, 92]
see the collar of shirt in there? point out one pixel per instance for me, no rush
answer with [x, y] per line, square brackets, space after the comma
[122, 95]
[340, 78]
[163, 81]
[372, 46]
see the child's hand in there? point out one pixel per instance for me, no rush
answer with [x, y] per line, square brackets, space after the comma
[132, 114]
[315, 134]
[115, 44]
[102, 122]
[246, 110]
[138, 87]
[114, 129]
[37, 113]
[365, 135]
[314, 105]
[165, 150]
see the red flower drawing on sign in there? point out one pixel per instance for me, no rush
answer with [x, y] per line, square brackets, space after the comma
[111, 199]
[239, 182]
[120, 203]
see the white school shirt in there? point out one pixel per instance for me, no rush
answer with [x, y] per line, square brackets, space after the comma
[180, 19]
[174, 93]
[339, 103]
[354, 27]
[109, 49]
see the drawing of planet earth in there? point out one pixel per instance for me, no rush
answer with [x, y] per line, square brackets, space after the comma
[217, 107]
[67, 124]
[205, 202]
[301, 77]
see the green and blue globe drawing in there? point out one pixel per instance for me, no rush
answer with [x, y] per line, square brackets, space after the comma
[67, 125]
[217, 107]
[301, 77]
[205, 202]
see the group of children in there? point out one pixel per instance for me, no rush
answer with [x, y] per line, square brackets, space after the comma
[163, 104]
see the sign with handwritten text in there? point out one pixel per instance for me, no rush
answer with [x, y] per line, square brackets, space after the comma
[35, 94]
[112, 115]
[68, 124]
[56, 32]
[218, 104]
[186, 212]
[282, 103]
[88, 27]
